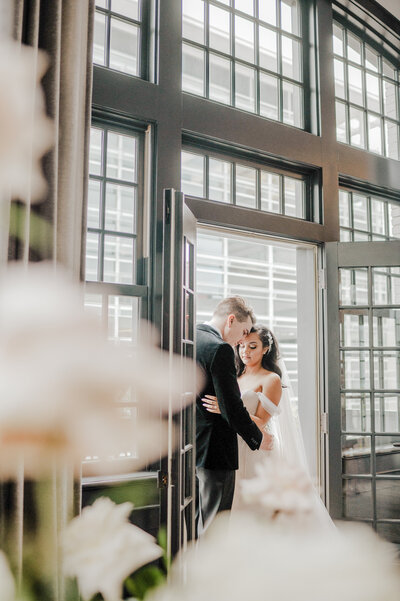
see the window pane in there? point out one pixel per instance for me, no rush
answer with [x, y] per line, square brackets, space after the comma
[355, 83]
[245, 88]
[220, 79]
[342, 133]
[193, 174]
[356, 411]
[270, 192]
[290, 17]
[354, 330]
[371, 59]
[96, 147]
[124, 47]
[267, 11]
[378, 216]
[292, 104]
[94, 201]
[360, 212]
[92, 257]
[386, 327]
[357, 127]
[118, 260]
[220, 180]
[391, 140]
[373, 92]
[344, 208]
[394, 220]
[268, 49]
[388, 69]
[123, 319]
[269, 96]
[244, 39]
[353, 289]
[357, 498]
[127, 8]
[387, 412]
[338, 40]
[246, 6]
[220, 29]
[356, 454]
[120, 208]
[99, 39]
[193, 20]
[354, 370]
[246, 186]
[388, 491]
[389, 99]
[291, 58]
[353, 48]
[387, 370]
[339, 79]
[121, 157]
[374, 133]
[294, 197]
[193, 66]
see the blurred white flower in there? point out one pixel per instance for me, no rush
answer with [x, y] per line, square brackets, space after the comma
[279, 491]
[7, 586]
[101, 548]
[26, 132]
[60, 378]
[240, 557]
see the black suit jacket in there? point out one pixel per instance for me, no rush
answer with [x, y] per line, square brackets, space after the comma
[216, 435]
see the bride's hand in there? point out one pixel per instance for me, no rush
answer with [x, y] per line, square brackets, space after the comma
[211, 403]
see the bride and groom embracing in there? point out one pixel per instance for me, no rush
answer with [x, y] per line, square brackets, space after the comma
[244, 390]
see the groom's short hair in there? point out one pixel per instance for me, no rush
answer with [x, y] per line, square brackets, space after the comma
[237, 306]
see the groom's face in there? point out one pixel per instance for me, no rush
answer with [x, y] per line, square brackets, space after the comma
[235, 330]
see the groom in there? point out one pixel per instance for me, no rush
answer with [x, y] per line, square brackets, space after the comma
[216, 435]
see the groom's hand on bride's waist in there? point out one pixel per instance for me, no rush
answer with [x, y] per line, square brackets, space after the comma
[267, 442]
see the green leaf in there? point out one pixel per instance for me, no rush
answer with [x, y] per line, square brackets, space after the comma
[145, 579]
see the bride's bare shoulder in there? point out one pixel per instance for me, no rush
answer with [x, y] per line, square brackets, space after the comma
[270, 382]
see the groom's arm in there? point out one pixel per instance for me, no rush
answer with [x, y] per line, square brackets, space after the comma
[227, 391]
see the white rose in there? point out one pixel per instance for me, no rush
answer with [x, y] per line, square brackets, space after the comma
[101, 548]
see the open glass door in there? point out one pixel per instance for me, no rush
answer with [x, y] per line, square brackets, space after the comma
[178, 472]
[363, 365]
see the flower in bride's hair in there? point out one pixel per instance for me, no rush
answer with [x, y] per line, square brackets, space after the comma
[278, 491]
[242, 557]
[7, 586]
[102, 548]
[26, 132]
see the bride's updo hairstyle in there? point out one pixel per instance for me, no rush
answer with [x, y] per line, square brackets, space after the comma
[270, 358]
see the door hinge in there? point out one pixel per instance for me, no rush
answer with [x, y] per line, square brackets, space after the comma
[322, 279]
[162, 479]
[167, 210]
[323, 423]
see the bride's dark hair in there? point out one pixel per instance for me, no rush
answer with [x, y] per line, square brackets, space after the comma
[270, 358]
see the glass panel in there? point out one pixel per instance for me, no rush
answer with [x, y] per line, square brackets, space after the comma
[246, 6]
[354, 329]
[94, 201]
[371, 59]
[269, 96]
[354, 368]
[268, 49]
[245, 88]
[94, 304]
[120, 208]
[270, 192]
[291, 58]
[99, 39]
[357, 127]
[193, 20]
[387, 370]
[338, 40]
[388, 69]
[387, 412]
[386, 327]
[220, 180]
[292, 104]
[388, 491]
[381, 282]
[373, 92]
[244, 39]
[344, 208]
[353, 48]
[92, 257]
[267, 11]
[394, 220]
[374, 134]
[357, 498]
[378, 216]
[356, 412]
[193, 174]
[96, 151]
[389, 531]
[389, 99]
[360, 236]
[121, 157]
[395, 284]
[355, 85]
[391, 140]
[220, 79]
[356, 454]
[118, 259]
[123, 319]
[193, 67]
[353, 288]
[294, 197]
[125, 47]
[342, 133]
[339, 79]
[360, 212]
[290, 17]
[246, 186]
[128, 8]
[220, 29]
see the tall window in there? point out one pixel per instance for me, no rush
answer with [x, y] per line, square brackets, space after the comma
[247, 54]
[365, 217]
[367, 95]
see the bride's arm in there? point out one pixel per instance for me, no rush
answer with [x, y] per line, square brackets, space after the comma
[272, 389]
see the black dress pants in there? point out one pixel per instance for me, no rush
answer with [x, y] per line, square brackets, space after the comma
[215, 494]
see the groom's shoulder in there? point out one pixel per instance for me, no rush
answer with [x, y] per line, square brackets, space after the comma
[207, 336]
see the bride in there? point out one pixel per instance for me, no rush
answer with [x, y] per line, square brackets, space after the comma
[266, 393]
